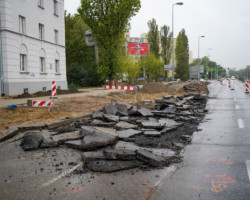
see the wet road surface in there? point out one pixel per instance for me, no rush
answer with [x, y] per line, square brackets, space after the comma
[217, 163]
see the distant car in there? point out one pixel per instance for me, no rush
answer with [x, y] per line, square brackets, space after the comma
[233, 78]
[202, 80]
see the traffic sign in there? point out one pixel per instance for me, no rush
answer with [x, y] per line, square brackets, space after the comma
[169, 67]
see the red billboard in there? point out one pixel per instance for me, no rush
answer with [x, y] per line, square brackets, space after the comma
[137, 49]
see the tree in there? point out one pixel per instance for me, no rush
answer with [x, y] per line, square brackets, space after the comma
[77, 52]
[153, 38]
[80, 58]
[108, 21]
[153, 66]
[182, 56]
[166, 39]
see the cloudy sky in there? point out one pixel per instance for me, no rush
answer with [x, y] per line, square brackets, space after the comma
[224, 23]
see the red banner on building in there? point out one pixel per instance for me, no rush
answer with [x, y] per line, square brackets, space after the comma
[137, 49]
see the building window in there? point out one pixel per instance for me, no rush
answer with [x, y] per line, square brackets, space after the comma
[23, 62]
[57, 66]
[55, 8]
[56, 36]
[40, 3]
[41, 31]
[42, 65]
[21, 24]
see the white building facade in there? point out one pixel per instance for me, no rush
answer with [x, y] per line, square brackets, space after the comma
[32, 45]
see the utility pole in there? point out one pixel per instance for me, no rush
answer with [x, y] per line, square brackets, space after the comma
[180, 4]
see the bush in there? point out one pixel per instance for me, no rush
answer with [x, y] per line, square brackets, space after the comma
[77, 75]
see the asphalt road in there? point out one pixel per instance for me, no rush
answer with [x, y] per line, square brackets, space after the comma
[217, 163]
[214, 167]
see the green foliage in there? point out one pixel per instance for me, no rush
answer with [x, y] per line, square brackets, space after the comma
[153, 38]
[108, 21]
[76, 49]
[81, 66]
[130, 68]
[182, 56]
[166, 38]
[153, 66]
[211, 67]
[77, 75]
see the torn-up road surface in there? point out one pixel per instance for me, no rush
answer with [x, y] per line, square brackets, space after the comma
[120, 152]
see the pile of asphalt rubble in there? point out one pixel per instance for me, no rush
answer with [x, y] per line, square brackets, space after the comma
[123, 136]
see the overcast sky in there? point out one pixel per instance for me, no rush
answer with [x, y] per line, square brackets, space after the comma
[224, 23]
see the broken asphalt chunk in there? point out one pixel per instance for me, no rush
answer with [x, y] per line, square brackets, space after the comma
[32, 141]
[152, 133]
[125, 125]
[128, 133]
[145, 112]
[119, 154]
[110, 109]
[150, 158]
[152, 125]
[112, 165]
[94, 139]
[97, 122]
[93, 156]
[97, 115]
[111, 118]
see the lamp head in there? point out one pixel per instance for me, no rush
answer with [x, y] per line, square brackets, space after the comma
[179, 3]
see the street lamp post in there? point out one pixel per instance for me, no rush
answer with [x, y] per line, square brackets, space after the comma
[202, 36]
[208, 56]
[180, 4]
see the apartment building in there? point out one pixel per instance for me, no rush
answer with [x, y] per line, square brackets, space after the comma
[32, 45]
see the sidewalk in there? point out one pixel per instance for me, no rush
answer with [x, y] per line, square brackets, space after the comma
[84, 92]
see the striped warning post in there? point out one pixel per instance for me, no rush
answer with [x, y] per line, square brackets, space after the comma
[120, 87]
[247, 87]
[53, 89]
[41, 103]
[229, 83]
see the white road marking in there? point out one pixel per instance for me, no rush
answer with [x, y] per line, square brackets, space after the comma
[240, 123]
[65, 173]
[235, 99]
[248, 168]
[237, 107]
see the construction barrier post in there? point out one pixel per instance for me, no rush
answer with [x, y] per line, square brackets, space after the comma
[53, 90]
[229, 83]
[247, 87]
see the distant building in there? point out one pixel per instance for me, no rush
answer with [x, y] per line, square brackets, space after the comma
[32, 45]
[143, 39]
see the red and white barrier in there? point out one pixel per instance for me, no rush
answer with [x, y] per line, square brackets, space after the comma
[41, 103]
[120, 87]
[53, 89]
[247, 87]
[229, 83]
